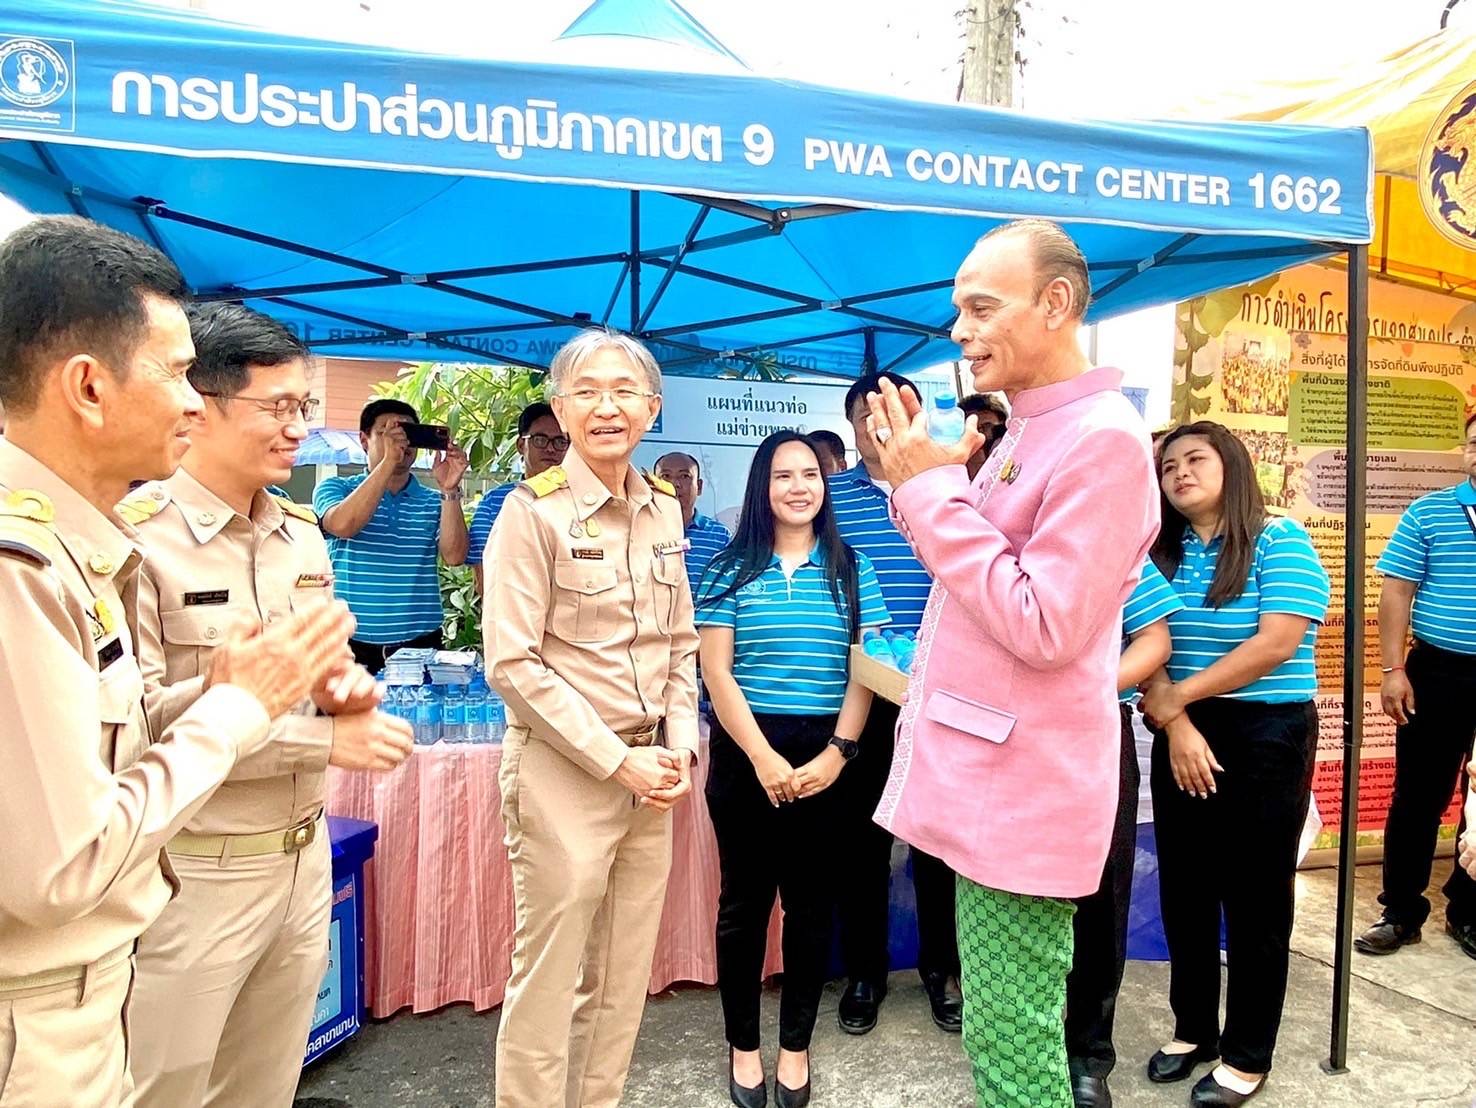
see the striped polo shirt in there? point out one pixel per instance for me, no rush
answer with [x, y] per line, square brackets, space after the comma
[1434, 545]
[1151, 600]
[1286, 577]
[707, 537]
[387, 572]
[790, 647]
[483, 519]
[862, 518]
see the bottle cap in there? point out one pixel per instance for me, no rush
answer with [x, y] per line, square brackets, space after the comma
[945, 400]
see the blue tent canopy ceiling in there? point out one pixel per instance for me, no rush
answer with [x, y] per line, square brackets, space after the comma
[413, 205]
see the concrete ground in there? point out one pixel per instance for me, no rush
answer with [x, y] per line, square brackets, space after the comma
[1413, 1038]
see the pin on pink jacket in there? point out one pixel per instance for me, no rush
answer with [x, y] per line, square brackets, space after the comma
[1009, 739]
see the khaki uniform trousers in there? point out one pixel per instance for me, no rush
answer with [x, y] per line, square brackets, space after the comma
[589, 873]
[228, 977]
[68, 1044]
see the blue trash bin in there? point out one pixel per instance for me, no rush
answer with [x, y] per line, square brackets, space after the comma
[340, 1007]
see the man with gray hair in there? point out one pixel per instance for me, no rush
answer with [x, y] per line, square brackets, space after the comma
[594, 650]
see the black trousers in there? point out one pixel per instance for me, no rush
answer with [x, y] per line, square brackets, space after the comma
[1235, 851]
[372, 655]
[1100, 929]
[762, 850]
[865, 870]
[1429, 753]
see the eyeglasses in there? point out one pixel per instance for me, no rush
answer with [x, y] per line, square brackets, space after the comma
[285, 408]
[543, 442]
[625, 397]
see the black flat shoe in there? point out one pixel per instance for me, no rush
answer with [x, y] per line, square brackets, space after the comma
[756, 1097]
[1209, 1093]
[1164, 1068]
[1385, 937]
[1465, 936]
[1090, 1092]
[785, 1097]
[859, 1007]
[946, 1004]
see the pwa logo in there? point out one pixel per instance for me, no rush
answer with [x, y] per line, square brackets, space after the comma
[32, 74]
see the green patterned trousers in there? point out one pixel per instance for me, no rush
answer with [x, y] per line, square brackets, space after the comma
[1016, 953]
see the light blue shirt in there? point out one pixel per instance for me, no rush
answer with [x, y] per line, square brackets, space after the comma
[483, 519]
[791, 652]
[1151, 600]
[1434, 546]
[707, 537]
[1286, 577]
[387, 572]
[862, 518]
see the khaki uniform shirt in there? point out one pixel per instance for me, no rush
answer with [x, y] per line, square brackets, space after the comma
[88, 803]
[588, 622]
[210, 571]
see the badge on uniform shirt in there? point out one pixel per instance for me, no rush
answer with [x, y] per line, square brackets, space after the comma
[589, 553]
[1009, 471]
[663, 549]
[314, 580]
[214, 596]
[110, 652]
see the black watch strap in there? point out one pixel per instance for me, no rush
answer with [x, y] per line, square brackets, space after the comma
[848, 747]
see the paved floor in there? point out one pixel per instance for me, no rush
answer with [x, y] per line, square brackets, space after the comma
[1413, 1039]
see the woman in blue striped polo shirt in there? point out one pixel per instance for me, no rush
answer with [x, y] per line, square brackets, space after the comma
[778, 611]
[1233, 756]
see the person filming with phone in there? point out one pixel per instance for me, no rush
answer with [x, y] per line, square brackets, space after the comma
[385, 531]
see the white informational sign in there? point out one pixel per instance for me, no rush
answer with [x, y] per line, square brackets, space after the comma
[721, 423]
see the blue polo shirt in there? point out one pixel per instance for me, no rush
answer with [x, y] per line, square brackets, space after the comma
[1434, 546]
[483, 519]
[707, 537]
[1286, 577]
[1151, 600]
[862, 519]
[791, 653]
[387, 572]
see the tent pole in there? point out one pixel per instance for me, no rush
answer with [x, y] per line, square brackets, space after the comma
[1353, 547]
[635, 261]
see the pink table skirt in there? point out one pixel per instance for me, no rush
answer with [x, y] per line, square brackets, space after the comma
[439, 916]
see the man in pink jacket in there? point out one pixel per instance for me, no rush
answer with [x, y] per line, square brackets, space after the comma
[1008, 743]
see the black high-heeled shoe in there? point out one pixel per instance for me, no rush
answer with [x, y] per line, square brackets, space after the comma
[755, 1097]
[785, 1097]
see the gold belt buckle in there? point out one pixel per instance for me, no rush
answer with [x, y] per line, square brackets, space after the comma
[299, 836]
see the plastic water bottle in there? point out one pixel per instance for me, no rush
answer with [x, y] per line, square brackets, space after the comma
[904, 649]
[945, 419]
[453, 714]
[874, 643]
[496, 717]
[476, 709]
[427, 719]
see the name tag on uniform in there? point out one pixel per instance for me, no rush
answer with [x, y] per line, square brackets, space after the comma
[109, 652]
[589, 553]
[314, 580]
[663, 549]
[214, 596]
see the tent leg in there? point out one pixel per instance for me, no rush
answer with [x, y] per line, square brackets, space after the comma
[635, 261]
[1353, 539]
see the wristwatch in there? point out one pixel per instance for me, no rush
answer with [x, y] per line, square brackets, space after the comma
[848, 748]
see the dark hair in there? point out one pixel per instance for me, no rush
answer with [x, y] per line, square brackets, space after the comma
[749, 553]
[696, 465]
[1470, 419]
[1242, 514]
[977, 403]
[384, 406]
[230, 339]
[871, 382]
[531, 415]
[831, 442]
[70, 286]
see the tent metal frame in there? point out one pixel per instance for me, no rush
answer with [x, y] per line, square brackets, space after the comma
[674, 259]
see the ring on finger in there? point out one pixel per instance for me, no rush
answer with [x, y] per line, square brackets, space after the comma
[882, 434]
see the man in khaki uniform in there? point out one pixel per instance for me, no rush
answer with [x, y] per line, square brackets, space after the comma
[590, 640]
[228, 975]
[94, 347]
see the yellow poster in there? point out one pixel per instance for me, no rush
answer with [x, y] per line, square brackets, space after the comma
[1270, 362]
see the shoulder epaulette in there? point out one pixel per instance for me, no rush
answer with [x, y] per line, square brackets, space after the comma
[550, 480]
[299, 511]
[142, 503]
[659, 484]
[27, 527]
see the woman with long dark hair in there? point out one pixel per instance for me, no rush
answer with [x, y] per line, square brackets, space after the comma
[778, 610]
[1233, 752]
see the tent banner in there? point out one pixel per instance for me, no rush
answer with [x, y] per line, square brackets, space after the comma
[110, 76]
[1269, 361]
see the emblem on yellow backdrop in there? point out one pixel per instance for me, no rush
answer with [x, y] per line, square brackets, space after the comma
[1447, 170]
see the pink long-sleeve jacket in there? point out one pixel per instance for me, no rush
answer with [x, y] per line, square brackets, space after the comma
[1009, 739]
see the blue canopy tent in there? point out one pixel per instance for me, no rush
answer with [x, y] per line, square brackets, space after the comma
[417, 205]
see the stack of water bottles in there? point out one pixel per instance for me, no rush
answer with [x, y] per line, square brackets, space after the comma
[893, 648]
[444, 696]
